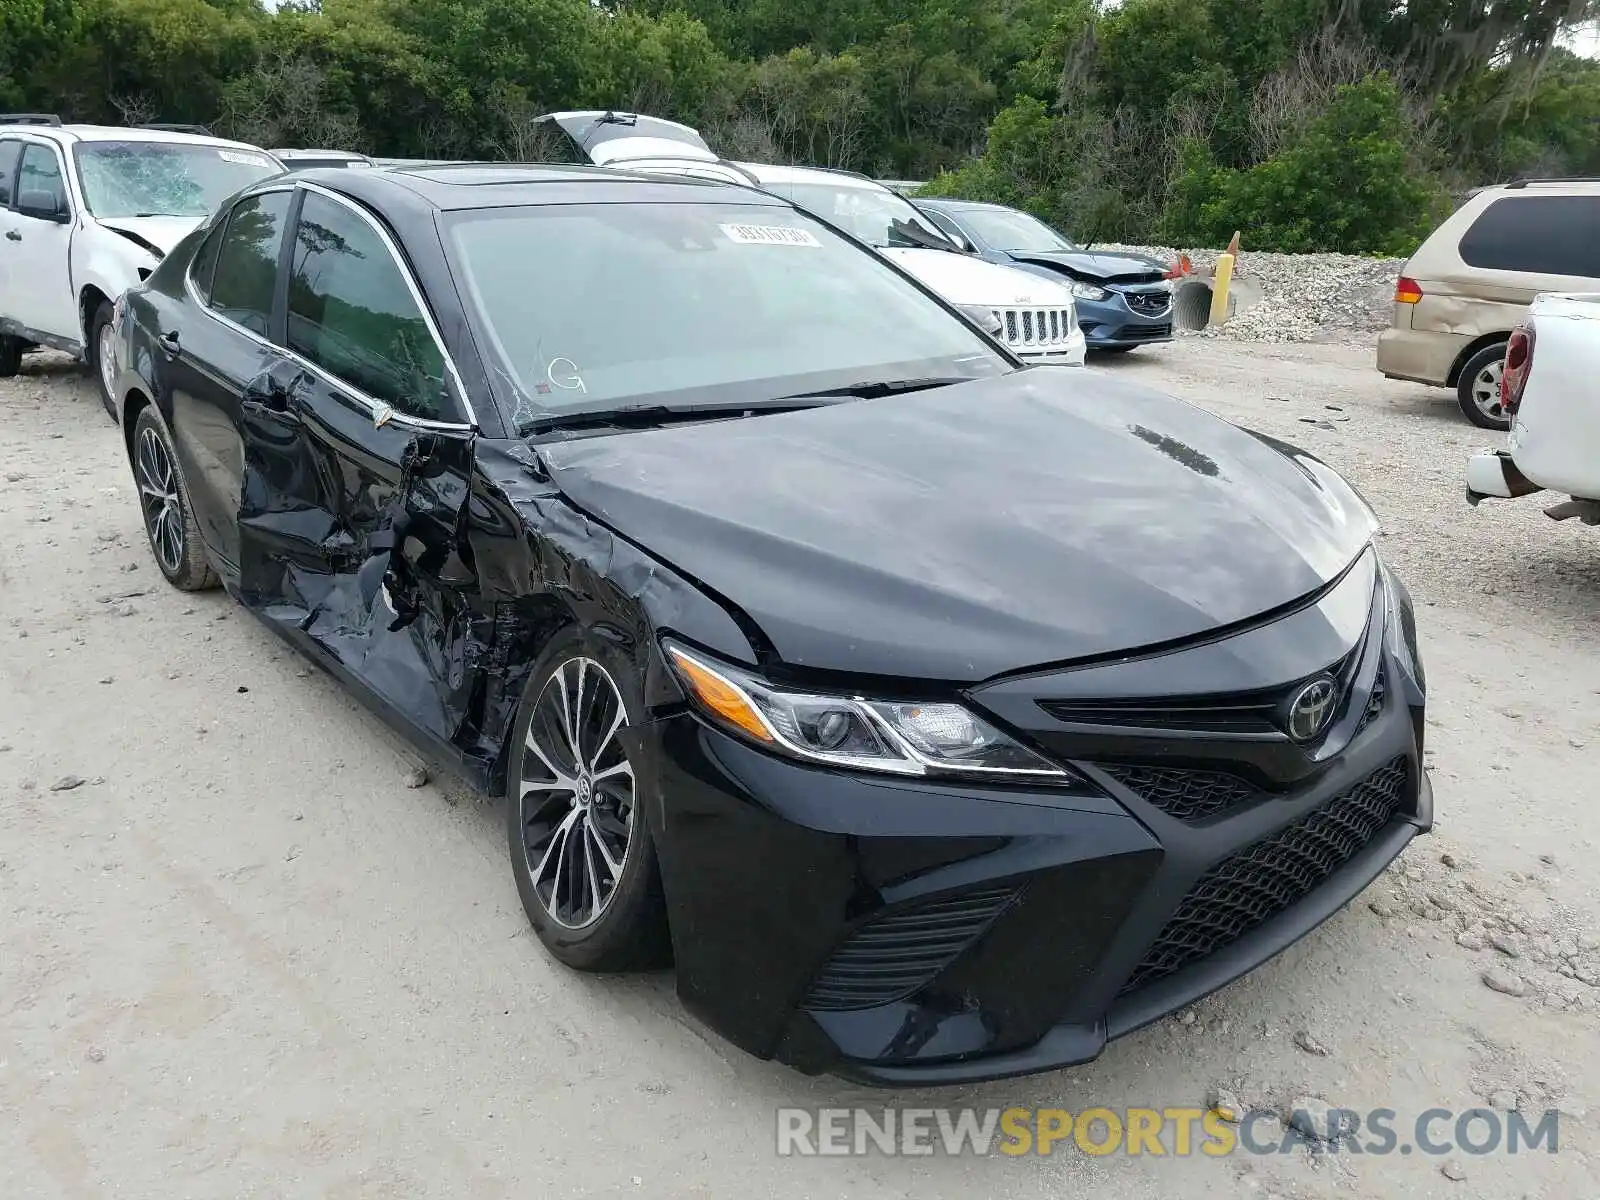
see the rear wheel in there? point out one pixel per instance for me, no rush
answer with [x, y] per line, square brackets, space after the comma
[102, 356]
[1478, 388]
[10, 357]
[164, 500]
[580, 849]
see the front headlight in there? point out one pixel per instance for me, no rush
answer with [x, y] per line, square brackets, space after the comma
[851, 731]
[1400, 625]
[1088, 291]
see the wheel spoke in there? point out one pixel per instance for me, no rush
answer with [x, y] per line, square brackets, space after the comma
[578, 715]
[566, 717]
[600, 747]
[622, 768]
[558, 841]
[613, 863]
[591, 873]
[561, 780]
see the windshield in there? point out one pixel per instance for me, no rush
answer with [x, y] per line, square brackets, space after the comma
[870, 214]
[602, 306]
[165, 179]
[1007, 229]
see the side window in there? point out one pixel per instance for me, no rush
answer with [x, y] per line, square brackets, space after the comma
[10, 152]
[351, 312]
[40, 178]
[204, 264]
[247, 261]
[1541, 235]
[944, 224]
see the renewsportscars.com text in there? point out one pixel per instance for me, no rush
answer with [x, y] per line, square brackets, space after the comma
[1176, 1132]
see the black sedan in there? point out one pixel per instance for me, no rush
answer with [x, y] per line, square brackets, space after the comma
[941, 718]
[1124, 300]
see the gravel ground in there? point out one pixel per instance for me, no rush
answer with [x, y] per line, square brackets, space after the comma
[242, 957]
[1304, 297]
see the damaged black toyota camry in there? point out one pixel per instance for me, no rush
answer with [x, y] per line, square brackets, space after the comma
[939, 717]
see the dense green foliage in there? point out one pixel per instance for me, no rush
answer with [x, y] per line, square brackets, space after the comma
[1309, 124]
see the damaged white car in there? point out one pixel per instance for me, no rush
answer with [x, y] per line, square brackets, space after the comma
[87, 211]
[1547, 391]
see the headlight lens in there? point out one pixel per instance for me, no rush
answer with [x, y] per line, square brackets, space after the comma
[1088, 291]
[850, 731]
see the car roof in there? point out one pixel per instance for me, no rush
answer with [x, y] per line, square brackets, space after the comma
[114, 133]
[942, 204]
[773, 173]
[463, 186]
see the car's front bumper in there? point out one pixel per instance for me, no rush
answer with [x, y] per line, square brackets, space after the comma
[909, 932]
[1114, 324]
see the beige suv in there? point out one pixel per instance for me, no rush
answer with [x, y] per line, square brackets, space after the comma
[1470, 283]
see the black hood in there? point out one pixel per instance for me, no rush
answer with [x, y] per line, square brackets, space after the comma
[1044, 516]
[1102, 266]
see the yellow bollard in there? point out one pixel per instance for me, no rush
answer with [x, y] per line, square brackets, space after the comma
[1219, 286]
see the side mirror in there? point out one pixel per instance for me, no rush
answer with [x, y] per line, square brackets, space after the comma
[43, 204]
[961, 242]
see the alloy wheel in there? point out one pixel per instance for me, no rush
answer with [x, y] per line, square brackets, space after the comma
[1486, 390]
[158, 497]
[105, 350]
[576, 795]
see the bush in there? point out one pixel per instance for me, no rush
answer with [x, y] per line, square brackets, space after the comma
[1351, 183]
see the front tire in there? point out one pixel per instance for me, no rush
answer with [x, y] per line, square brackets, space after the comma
[164, 502]
[1478, 388]
[580, 846]
[101, 360]
[10, 356]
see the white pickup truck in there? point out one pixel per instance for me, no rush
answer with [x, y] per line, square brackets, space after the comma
[86, 212]
[1549, 391]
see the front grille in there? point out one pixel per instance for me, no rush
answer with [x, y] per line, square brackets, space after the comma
[1244, 712]
[1134, 333]
[1149, 304]
[891, 957]
[1037, 329]
[1249, 888]
[1374, 707]
[1186, 795]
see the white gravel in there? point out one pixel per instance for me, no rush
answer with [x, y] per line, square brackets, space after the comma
[1304, 297]
[247, 953]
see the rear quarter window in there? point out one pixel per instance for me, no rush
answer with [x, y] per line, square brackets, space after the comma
[1539, 235]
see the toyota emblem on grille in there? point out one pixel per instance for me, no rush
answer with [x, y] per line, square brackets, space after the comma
[1311, 709]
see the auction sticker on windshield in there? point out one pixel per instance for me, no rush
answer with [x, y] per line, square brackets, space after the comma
[770, 235]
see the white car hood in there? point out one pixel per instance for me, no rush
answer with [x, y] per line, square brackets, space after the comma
[161, 232]
[962, 279]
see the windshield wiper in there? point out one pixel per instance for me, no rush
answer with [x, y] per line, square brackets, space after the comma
[871, 389]
[638, 416]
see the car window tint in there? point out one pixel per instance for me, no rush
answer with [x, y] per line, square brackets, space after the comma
[1543, 235]
[204, 264]
[352, 313]
[945, 224]
[41, 172]
[247, 261]
[10, 152]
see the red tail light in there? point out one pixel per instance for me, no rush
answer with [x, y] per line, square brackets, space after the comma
[1519, 359]
[1407, 290]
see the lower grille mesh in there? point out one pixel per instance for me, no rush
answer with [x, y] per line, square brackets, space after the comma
[1249, 888]
[891, 957]
[1187, 795]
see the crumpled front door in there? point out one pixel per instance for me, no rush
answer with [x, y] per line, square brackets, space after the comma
[352, 538]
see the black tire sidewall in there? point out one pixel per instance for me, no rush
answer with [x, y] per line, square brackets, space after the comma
[10, 357]
[1469, 373]
[630, 934]
[101, 318]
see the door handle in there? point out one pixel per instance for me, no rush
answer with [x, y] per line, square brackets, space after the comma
[170, 346]
[13, 236]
